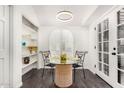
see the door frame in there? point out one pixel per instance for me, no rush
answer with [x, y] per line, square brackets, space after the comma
[6, 68]
[11, 44]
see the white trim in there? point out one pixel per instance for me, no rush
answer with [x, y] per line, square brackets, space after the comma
[11, 44]
[106, 13]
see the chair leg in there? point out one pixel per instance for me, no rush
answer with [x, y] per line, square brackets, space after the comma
[52, 69]
[84, 73]
[74, 74]
[43, 72]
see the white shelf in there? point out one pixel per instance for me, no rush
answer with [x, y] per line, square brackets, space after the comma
[27, 36]
[34, 39]
[28, 28]
[29, 55]
[30, 63]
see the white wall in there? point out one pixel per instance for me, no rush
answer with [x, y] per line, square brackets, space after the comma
[80, 35]
[29, 13]
[92, 50]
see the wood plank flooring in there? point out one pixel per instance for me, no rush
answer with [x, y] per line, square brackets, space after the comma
[33, 79]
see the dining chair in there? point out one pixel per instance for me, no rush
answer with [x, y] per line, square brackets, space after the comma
[46, 62]
[80, 62]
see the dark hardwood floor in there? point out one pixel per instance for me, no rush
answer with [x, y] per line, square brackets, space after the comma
[33, 79]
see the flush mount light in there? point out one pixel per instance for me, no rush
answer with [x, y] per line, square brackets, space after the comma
[64, 16]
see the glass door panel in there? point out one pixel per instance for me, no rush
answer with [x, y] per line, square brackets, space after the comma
[121, 77]
[106, 69]
[121, 62]
[106, 35]
[105, 24]
[100, 57]
[106, 46]
[106, 58]
[99, 27]
[120, 33]
[99, 47]
[120, 46]
[121, 16]
[103, 47]
[100, 66]
[100, 37]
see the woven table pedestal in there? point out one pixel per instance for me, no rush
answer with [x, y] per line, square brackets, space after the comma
[63, 75]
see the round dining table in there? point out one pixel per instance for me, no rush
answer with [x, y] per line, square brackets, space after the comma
[63, 71]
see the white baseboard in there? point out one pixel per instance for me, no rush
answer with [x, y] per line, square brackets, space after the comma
[18, 85]
[4, 86]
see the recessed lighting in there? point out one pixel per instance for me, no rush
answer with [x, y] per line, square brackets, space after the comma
[64, 16]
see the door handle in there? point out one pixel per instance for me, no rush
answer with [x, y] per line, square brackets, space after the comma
[113, 53]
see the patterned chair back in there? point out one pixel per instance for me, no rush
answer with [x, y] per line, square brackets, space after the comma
[45, 55]
[81, 56]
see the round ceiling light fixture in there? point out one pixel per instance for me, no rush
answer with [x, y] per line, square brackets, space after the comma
[64, 16]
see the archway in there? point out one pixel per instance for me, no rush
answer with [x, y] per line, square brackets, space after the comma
[61, 41]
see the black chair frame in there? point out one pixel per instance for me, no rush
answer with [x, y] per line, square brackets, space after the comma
[47, 63]
[81, 55]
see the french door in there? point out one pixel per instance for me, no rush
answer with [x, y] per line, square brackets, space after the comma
[120, 46]
[110, 37]
[103, 48]
[4, 46]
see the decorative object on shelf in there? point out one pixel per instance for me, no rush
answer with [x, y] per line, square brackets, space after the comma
[26, 60]
[23, 43]
[32, 49]
[64, 16]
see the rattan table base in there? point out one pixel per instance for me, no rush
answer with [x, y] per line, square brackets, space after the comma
[63, 75]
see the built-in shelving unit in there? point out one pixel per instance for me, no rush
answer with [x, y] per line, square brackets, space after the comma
[29, 45]
[31, 62]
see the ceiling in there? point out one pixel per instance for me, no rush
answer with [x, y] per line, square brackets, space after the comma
[83, 15]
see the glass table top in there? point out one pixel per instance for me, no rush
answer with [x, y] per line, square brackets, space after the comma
[69, 60]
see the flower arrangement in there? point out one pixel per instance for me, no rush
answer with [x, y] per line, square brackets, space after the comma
[63, 58]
